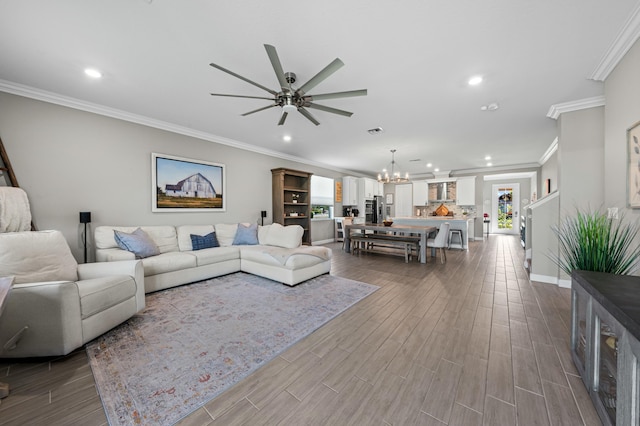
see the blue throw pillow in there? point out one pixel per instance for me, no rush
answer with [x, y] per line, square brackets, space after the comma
[246, 235]
[199, 242]
[138, 243]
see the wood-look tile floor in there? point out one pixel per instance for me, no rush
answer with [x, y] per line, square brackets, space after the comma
[470, 342]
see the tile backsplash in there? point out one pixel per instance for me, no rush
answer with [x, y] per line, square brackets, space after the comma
[452, 207]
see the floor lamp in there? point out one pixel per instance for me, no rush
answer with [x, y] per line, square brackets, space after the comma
[85, 217]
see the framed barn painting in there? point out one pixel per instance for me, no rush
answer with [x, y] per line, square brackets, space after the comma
[633, 166]
[186, 185]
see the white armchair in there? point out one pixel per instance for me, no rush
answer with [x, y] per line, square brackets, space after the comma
[57, 305]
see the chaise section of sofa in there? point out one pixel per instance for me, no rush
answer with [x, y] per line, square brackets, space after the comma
[274, 252]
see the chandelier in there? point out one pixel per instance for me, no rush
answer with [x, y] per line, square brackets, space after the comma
[394, 177]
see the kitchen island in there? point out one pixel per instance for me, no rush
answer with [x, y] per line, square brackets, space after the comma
[456, 223]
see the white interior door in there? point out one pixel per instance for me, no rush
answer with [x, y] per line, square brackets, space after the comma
[505, 217]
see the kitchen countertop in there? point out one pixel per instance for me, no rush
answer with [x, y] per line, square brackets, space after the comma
[460, 218]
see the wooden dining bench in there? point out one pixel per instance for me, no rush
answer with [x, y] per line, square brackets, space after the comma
[369, 242]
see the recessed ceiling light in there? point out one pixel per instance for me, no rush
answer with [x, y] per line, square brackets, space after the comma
[475, 80]
[489, 164]
[93, 73]
[375, 131]
[488, 157]
[429, 164]
[490, 107]
[436, 170]
[286, 138]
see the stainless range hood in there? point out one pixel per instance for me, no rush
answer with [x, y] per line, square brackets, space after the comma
[441, 192]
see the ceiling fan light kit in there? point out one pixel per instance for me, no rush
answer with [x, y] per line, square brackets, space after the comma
[290, 99]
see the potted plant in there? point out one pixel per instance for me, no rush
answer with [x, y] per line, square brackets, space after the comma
[592, 241]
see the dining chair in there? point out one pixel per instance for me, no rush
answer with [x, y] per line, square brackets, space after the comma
[441, 240]
[345, 221]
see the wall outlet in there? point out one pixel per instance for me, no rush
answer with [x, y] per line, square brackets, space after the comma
[612, 213]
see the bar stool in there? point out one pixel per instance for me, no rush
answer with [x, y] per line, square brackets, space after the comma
[458, 233]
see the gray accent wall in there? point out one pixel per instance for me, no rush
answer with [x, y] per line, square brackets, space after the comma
[622, 93]
[69, 161]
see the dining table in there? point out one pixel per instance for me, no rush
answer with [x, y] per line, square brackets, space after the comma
[422, 231]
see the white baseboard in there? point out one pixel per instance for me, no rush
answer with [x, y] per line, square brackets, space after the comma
[564, 283]
[544, 279]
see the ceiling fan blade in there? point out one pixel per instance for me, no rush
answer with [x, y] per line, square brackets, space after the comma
[308, 115]
[335, 95]
[334, 66]
[283, 118]
[241, 96]
[329, 109]
[259, 109]
[277, 66]
[243, 78]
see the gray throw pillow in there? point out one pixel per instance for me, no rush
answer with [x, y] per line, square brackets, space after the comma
[138, 242]
[246, 235]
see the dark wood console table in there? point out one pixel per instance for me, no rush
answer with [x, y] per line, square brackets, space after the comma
[605, 342]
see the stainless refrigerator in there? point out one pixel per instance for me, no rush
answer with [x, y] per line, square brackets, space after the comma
[377, 209]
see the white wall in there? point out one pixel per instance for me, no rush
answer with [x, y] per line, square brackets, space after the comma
[70, 161]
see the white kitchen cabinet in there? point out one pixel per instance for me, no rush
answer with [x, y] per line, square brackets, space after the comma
[466, 191]
[366, 188]
[378, 188]
[349, 191]
[420, 193]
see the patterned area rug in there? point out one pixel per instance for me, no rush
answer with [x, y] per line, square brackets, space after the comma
[192, 342]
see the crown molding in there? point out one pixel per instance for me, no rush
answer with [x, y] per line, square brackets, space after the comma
[557, 109]
[494, 169]
[549, 152]
[624, 41]
[54, 98]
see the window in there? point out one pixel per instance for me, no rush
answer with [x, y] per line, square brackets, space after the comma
[321, 197]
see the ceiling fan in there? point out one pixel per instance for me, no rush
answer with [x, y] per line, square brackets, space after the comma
[291, 99]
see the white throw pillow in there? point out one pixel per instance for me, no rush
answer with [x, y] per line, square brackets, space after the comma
[285, 236]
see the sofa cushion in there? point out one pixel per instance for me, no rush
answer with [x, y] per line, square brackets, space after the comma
[168, 262]
[163, 235]
[226, 233]
[246, 235]
[36, 257]
[215, 255]
[184, 234]
[284, 236]
[99, 294]
[302, 257]
[138, 242]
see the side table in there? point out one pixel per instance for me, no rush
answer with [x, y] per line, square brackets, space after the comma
[488, 223]
[5, 287]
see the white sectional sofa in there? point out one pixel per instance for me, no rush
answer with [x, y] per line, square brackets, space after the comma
[273, 251]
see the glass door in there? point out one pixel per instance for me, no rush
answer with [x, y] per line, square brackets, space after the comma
[506, 205]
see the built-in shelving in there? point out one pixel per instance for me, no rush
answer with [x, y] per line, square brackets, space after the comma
[292, 199]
